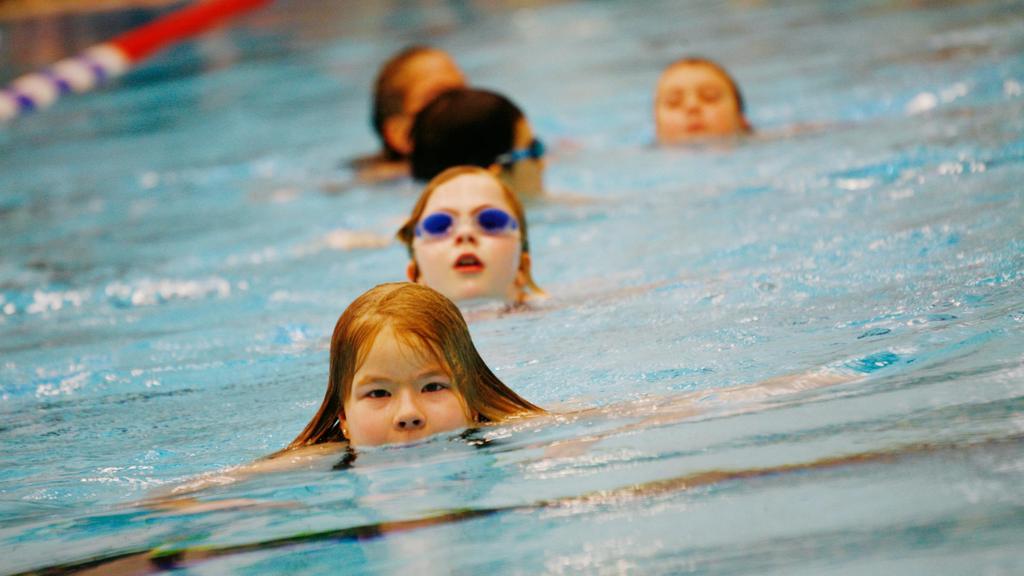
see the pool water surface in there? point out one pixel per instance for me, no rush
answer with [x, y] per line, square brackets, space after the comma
[178, 246]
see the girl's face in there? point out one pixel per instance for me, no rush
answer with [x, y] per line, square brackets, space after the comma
[480, 254]
[695, 100]
[424, 78]
[400, 394]
[428, 76]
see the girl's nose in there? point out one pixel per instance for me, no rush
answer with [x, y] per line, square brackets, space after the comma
[468, 238]
[465, 233]
[409, 416]
[691, 103]
[410, 422]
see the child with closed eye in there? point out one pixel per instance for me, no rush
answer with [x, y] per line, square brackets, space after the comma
[696, 98]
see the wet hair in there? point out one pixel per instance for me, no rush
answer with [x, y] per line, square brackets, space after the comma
[407, 233]
[699, 61]
[389, 92]
[465, 126]
[423, 318]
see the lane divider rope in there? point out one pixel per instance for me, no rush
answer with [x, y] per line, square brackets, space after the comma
[101, 63]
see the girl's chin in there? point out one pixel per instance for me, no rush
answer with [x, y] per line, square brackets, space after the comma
[473, 291]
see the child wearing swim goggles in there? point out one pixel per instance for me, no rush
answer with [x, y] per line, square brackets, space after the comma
[478, 128]
[697, 98]
[403, 367]
[467, 238]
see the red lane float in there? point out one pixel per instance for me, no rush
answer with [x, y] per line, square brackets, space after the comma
[102, 62]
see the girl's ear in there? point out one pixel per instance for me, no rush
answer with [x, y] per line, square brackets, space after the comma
[343, 423]
[412, 271]
[397, 132]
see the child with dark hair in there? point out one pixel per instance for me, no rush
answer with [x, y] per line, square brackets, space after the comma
[478, 128]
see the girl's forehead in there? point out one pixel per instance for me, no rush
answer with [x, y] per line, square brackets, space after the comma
[467, 192]
[689, 74]
[393, 341]
[430, 60]
[428, 75]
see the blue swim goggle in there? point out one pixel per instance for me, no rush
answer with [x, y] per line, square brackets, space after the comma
[492, 221]
[535, 151]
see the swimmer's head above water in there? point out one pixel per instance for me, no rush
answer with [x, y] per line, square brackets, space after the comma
[406, 83]
[467, 238]
[403, 367]
[481, 128]
[697, 98]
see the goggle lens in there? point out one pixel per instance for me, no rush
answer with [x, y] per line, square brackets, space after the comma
[437, 224]
[489, 220]
[494, 221]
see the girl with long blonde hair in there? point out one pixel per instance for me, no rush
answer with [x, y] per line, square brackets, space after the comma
[403, 367]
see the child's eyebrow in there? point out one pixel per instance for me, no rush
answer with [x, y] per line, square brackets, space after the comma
[485, 206]
[432, 373]
[457, 211]
[441, 209]
[373, 379]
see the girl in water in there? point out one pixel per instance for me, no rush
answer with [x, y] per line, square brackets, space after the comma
[481, 128]
[406, 83]
[697, 98]
[403, 367]
[467, 238]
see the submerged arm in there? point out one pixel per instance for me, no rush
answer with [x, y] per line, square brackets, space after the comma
[182, 498]
[662, 410]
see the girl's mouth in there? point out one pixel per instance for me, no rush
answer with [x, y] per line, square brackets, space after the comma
[468, 263]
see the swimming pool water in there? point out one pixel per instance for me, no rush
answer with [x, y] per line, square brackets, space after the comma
[171, 271]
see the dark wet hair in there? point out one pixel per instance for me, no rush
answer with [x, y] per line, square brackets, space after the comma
[465, 126]
[389, 92]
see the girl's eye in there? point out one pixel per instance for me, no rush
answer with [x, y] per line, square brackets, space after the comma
[710, 94]
[434, 387]
[378, 393]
